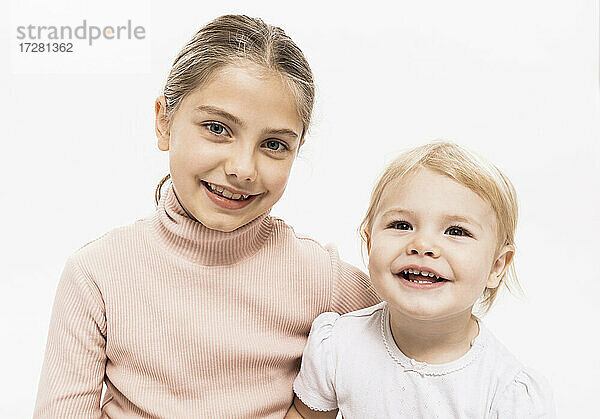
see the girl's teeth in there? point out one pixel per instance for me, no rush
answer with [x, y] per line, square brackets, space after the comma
[226, 193]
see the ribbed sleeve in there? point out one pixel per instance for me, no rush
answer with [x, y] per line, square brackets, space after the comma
[351, 287]
[71, 384]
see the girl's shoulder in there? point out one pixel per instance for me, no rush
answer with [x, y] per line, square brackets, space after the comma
[121, 241]
[285, 236]
[284, 231]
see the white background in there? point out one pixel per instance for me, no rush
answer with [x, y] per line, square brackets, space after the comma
[516, 81]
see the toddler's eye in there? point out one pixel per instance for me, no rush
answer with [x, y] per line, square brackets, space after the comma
[400, 225]
[216, 128]
[275, 145]
[457, 231]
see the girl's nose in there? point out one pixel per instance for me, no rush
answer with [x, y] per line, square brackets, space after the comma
[241, 165]
[423, 246]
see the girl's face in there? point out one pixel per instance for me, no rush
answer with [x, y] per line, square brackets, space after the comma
[231, 145]
[429, 226]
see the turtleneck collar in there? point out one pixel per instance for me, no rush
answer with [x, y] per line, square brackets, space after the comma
[198, 243]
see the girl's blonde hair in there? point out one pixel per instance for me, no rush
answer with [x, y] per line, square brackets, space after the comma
[480, 176]
[234, 39]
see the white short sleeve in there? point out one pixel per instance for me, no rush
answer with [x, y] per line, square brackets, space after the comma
[314, 385]
[527, 396]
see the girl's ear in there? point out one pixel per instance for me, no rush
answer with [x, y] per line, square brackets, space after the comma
[505, 256]
[161, 124]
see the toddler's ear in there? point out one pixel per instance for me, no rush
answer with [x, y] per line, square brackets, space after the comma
[505, 256]
[161, 124]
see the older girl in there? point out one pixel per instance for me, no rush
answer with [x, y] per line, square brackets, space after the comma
[203, 309]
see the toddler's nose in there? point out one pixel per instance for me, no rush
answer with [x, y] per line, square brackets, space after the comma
[422, 246]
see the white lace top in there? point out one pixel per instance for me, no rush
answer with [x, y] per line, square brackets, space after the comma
[351, 362]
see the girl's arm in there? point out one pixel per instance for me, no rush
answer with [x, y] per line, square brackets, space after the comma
[74, 366]
[351, 288]
[299, 410]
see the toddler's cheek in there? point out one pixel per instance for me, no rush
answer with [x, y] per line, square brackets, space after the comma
[377, 263]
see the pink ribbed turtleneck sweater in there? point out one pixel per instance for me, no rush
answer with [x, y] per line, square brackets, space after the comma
[180, 321]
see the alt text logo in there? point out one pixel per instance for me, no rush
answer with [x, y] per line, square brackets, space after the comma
[64, 35]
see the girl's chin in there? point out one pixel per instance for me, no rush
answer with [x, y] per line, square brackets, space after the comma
[223, 223]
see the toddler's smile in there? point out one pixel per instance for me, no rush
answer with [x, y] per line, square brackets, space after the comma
[433, 246]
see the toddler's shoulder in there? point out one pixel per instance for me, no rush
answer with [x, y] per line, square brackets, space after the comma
[348, 330]
[497, 359]
[364, 314]
[357, 323]
[520, 388]
[524, 393]
[348, 325]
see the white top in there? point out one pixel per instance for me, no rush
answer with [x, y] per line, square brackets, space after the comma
[351, 362]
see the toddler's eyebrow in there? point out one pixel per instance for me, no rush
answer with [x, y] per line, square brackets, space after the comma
[446, 218]
[399, 211]
[463, 219]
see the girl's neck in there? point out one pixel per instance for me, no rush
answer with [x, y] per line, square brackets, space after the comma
[434, 341]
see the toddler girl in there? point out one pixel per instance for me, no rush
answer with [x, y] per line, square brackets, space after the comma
[440, 235]
[203, 308]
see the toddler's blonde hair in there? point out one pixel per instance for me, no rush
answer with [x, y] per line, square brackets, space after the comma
[470, 170]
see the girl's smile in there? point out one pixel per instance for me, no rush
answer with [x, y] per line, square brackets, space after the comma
[232, 143]
[227, 198]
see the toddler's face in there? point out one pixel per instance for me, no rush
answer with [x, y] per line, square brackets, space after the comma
[433, 246]
[232, 143]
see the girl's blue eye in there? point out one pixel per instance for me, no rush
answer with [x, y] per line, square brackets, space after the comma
[216, 128]
[400, 225]
[275, 145]
[457, 231]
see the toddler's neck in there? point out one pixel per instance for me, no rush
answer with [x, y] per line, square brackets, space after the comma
[434, 341]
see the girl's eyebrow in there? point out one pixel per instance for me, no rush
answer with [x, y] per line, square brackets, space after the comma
[220, 112]
[282, 131]
[213, 110]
